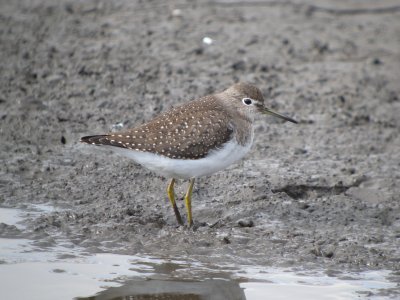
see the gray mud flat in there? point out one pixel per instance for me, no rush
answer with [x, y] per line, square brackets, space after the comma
[323, 194]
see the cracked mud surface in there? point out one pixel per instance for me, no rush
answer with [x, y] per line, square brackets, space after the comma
[324, 193]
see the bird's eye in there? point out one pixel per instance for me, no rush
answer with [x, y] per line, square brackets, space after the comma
[247, 101]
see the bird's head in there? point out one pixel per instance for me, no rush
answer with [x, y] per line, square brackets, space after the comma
[248, 98]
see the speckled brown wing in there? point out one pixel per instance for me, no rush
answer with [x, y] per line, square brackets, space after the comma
[189, 131]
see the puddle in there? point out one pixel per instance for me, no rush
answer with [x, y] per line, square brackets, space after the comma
[66, 272]
[14, 216]
[286, 284]
[10, 216]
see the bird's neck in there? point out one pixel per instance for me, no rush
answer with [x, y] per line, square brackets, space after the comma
[241, 122]
[243, 131]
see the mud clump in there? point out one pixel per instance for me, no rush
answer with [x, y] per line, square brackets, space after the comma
[322, 193]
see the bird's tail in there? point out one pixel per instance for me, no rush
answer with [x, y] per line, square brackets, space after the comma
[96, 140]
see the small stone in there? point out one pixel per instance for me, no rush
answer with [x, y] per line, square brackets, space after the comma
[298, 151]
[377, 61]
[329, 251]
[226, 240]
[58, 271]
[264, 68]
[198, 51]
[54, 79]
[207, 40]
[303, 205]
[246, 223]
[239, 65]
[176, 12]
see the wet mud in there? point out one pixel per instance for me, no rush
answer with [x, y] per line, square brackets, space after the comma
[320, 194]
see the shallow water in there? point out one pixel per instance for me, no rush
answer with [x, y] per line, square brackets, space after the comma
[66, 272]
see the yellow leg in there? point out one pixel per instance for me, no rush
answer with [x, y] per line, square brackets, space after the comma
[171, 196]
[188, 202]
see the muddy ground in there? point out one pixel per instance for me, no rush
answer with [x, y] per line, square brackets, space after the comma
[323, 193]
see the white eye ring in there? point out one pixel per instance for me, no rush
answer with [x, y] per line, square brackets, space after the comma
[247, 101]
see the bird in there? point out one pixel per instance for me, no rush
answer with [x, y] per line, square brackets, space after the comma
[195, 139]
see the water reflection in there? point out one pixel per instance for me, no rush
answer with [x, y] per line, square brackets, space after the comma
[49, 270]
[211, 289]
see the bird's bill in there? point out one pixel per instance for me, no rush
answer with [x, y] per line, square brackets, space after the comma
[268, 111]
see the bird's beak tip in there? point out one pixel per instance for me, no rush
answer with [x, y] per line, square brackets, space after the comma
[278, 115]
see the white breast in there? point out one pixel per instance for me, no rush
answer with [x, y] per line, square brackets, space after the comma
[217, 160]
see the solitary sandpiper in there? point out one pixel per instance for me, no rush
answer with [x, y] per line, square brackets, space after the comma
[195, 139]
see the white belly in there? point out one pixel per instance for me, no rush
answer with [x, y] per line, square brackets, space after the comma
[217, 160]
